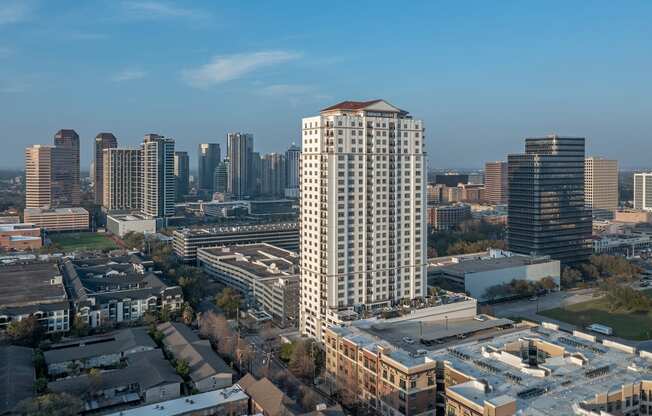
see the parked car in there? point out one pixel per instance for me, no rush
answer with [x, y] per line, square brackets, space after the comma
[408, 340]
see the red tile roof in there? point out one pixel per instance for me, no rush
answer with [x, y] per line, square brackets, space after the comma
[351, 105]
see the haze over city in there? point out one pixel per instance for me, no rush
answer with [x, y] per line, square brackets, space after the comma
[475, 72]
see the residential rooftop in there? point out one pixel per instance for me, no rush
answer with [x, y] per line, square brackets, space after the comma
[189, 404]
[16, 376]
[98, 345]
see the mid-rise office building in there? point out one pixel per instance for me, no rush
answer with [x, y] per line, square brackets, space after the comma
[363, 199]
[158, 176]
[65, 170]
[102, 141]
[546, 208]
[122, 183]
[447, 217]
[208, 157]
[643, 191]
[182, 174]
[265, 274]
[495, 182]
[38, 176]
[601, 186]
[240, 148]
[222, 177]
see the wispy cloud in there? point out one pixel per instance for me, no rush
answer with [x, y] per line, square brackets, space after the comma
[286, 89]
[229, 67]
[150, 9]
[13, 11]
[129, 75]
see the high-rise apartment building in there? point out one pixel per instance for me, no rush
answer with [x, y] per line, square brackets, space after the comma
[209, 156]
[495, 182]
[240, 148]
[65, 169]
[272, 175]
[292, 163]
[643, 191]
[363, 242]
[38, 176]
[102, 141]
[182, 174]
[158, 176]
[122, 170]
[546, 208]
[222, 177]
[601, 186]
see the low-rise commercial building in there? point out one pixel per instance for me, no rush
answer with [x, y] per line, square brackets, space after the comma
[187, 241]
[20, 237]
[120, 225]
[207, 370]
[110, 290]
[266, 274]
[59, 219]
[145, 377]
[34, 290]
[487, 367]
[447, 217]
[622, 244]
[98, 351]
[476, 273]
[633, 216]
[228, 401]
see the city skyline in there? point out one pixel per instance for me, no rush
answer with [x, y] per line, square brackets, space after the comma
[471, 91]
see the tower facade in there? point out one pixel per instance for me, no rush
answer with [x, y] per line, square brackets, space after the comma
[601, 186]
[158, 176]
[547, 214]
[65, 170]
[240, 148]
[102, 141]
[182, 174]
[208, 157]
[123, 172]
[363, 219]
[495, 182]
[38, 176]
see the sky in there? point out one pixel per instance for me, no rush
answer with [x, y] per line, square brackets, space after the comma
[481, 74]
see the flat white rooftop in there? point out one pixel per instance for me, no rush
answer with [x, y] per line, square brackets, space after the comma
[188, 404]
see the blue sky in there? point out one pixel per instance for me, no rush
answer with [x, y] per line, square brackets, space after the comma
[482, 75]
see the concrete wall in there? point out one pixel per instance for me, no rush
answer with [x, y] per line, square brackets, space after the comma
[120, 228]
[164, 392]
[476, 284]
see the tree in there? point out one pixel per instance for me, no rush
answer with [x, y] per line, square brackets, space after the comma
[27, 332]
[95, 381]
[182, 368]
[497, 291]
[548, 283]
[134, 240]
[229, 300]
[216, 328]
[80, 327]
[302, 362]
[51, 404]
[188, 314]
[309, 399]
[193, 283]
[286, 351]
[40, 385]
[570, 277]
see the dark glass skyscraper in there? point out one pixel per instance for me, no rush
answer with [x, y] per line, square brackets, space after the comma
[546, 208]
[182, 174]
[65, 170]
[242, 178]
[208, 158]
[102, 141]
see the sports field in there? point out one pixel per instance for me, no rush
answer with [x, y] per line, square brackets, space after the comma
[82, 241]
[627, 325]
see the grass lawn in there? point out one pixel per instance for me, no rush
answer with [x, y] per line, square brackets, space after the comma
[627, 325]
[82, 241]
